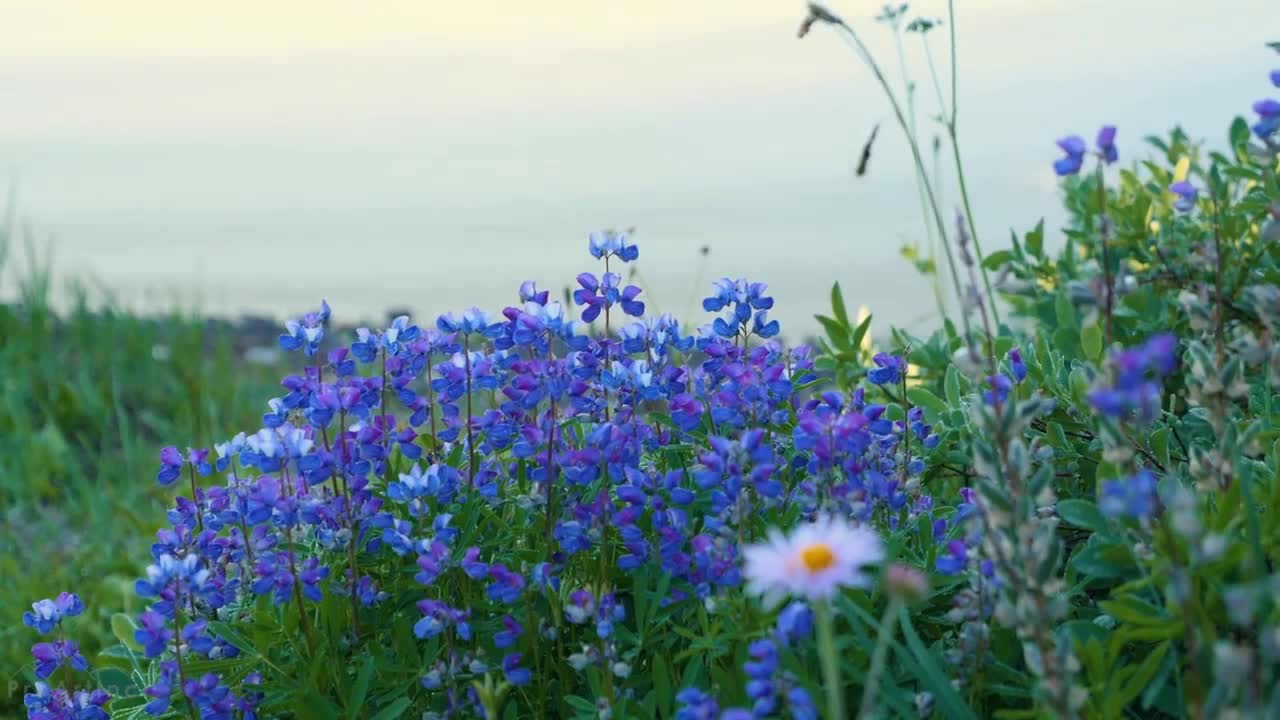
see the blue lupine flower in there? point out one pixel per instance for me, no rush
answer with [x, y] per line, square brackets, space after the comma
[1016, 365]
[1138, 376]
[473, 321]
[801, 704]
[1107, 144]
[1275, 78]
[1074, 147]
[170, 465]
[153, 633]
[608, 243]
[1132, 497]
[49, 704]
[888, 370]
[506, 586]
[1000, 386]
[162, 690]
[515, 674]
[954, 559]
[52, 655]
[307, 332]
[1268, 118]
[696, 705]
[46, 614]
[510, 632]
[1186, 193]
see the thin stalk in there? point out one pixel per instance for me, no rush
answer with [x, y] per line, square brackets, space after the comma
[955, 147]
[191, 471]
[830, 661]
[297, 592]
[920, 179]
[878, 657]
[354, 526]
[66, 666]
[866, 57]
[177, 653]
[471, 448]
[431, 406]
[1104, 232]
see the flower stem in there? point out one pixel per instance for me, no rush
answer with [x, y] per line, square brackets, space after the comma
[191, 471]
[830, 661]
[471, 447]
[177, 654]
[878, 657]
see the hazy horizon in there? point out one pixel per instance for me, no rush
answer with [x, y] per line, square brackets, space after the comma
[433, 155]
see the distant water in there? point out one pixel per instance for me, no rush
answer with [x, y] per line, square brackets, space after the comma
[366, 262]
[261, 184]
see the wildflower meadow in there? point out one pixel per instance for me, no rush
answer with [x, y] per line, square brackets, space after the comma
[1063, 502]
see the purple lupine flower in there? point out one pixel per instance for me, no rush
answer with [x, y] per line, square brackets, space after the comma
[52, 655]
[1138, 376]
[515, 674]
[1016, 365]
[954, 559]
[153, 633]
[1186, 193]
[1132, 497]
[1275, 78]
[795, 623]
[696, 705]
[1000, 386]
[506, 586]
[1107, 144]
[762, 685]
[510, 632]
[46, 614]
[1268, 118]
[1074, 147]
[608, 243]
[888, 369]
[170, 465]
[307, 332]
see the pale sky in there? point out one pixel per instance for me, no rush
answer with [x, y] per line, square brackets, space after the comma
[259, 155]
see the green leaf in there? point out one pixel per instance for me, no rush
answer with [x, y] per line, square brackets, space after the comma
[361, 689]
[1082, 513]
[123, 627]
[1142, 676]
[997, 258]
[837, 305]
[1101, 559]
[394, 710]
[1035, 240]
[838, 335]
[1064, 312]
[922, 397]
[949, 701]
[952, 385]
[1091, 341]
[860, 332]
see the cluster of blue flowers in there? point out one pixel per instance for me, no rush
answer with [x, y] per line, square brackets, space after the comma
[60, 703]
[532, 408]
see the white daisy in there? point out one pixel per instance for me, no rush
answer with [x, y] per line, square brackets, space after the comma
[814, 562]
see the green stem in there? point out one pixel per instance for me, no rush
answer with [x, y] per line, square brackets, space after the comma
[830, 661]
[955, 147]
[177, 653]
[878, 657]
[865, 55]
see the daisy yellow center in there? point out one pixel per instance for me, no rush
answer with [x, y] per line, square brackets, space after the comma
[817, 557]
